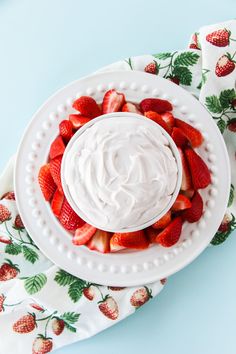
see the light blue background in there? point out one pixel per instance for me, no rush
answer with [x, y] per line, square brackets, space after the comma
[45, 44]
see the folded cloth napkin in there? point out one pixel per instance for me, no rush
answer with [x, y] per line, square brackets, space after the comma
[42, 307]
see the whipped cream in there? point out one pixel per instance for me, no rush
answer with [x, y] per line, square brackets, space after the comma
[120, 172]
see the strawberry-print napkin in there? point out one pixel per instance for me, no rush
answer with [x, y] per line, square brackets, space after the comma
[42, 307]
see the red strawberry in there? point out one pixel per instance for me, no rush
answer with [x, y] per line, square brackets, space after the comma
[130, 107]
[2, 299]
[219, 38]
[46, 182]
[66, 130]
[116, 288]
[87, 106]
[155, 104]
[37, 307]
[109, 308]
[78, 120]
[231, 125]
[89, 293]
[100, 242]
[157, 119]
[5, 213]
[5, 239]
[42, 345]
[186, 177]
[194, 213]
[174, 79]
[171, 234]
[151, 234]
[57, 147]
[200, 173]
[58, 326]
[18, 224]
[193, 46]
[25, 324]
[8, 270]
[169, 119]
[192, 134]
[136, 240]
[152, 68]
[181, 203]
[56, 203]
[140, 296]
[224, 66]
[163, 222]
[9, 196]
[55, 170]
[179, 138]
[68, 218]
[225, 224]
[83, 234]
[112, 101]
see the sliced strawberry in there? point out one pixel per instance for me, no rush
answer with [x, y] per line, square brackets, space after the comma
[155, 104]
[68, 218]
[200, 173]
[130, 107]
[56, 203]
[57, 148]
[188, 193]
[151, 234]
[163, 222]
[66, 130]
[83, 234]
[171, 234]
[100, 242]
[194, 213]
[112, 101]
[169, 119]
[181, 203]
[179, 137]
[46, 182]
[78, 120]
[87, 106]
[158, 119]
[186, 177]
[192, 134]
[55, 169]
[136, 240]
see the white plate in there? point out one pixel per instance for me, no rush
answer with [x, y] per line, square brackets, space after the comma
[126, 268]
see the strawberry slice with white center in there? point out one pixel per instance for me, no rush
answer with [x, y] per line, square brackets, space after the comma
[181, 203]
[100, 242]
[68, 218]
[186, 177]
[194, 213]
[112, 101]
[83, 234]
[130, 107]
[57, 147]
[200, 173]
[56, 203]
[192, 134]
[171, 234]
[136, 240]
[78, 120]
[169, 119]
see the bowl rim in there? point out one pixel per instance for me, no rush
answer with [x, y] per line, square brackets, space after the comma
[114, 115]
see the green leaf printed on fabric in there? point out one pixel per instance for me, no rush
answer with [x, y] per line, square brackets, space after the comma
[186, 59]
[29, 254]
[183, 74]
[63, 278]
[13, 249]
[35, 283]
[162, 56]
[226, 97]
[213, 104]
[75, 290]
[224, 231]
[231, 196]
[221, 125]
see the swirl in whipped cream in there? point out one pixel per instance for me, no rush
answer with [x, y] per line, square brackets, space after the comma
[121, 172]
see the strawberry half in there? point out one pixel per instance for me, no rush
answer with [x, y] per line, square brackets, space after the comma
[155, 104]
[46, 182]
[68, 218]
[130, 107]
[136, 240]
[192, 134]
[100, 242]
[55, 169]
[56, 203]
[163, 222]
[78, 120]
[112, 101]
[57, 148]
[87, 106]
[83, 234]
[181, 203]
[200, 173]
[157, 119]
[66, 130]
[194, 213]
[179, 137]
[186, 176]
[171, 234]
[169, 119]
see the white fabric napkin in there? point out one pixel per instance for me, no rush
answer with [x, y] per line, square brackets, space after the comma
[42, 307]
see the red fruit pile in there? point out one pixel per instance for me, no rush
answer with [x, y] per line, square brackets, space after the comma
[188, 205]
